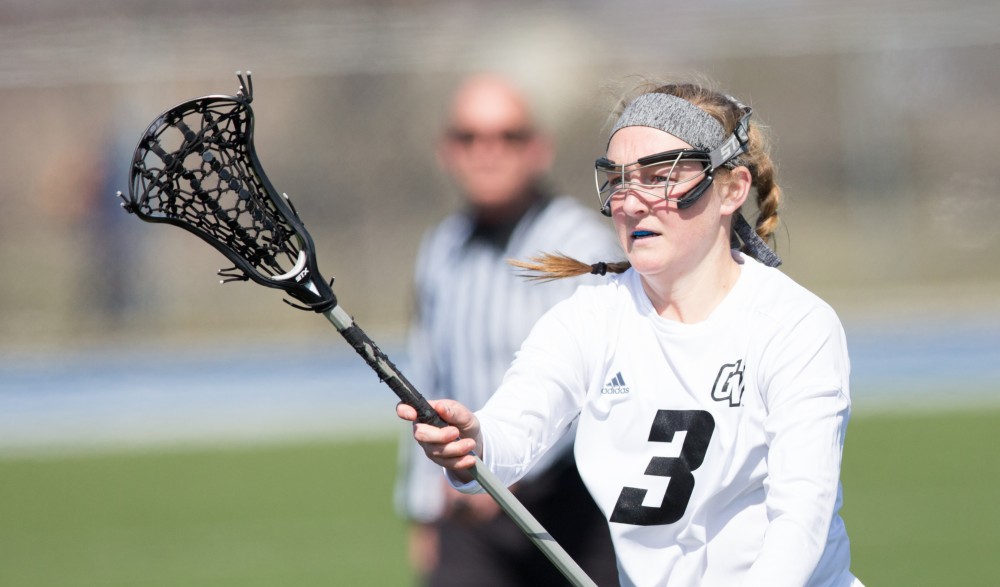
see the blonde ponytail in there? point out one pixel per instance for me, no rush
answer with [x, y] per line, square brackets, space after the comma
[549, 267]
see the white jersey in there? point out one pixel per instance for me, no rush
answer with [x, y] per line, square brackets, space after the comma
[713, 449]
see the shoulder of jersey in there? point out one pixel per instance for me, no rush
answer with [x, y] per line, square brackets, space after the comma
[776, 294]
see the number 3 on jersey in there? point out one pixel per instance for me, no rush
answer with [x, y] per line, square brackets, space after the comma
[699, 425]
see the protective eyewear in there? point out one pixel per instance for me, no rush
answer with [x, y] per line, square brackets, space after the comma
[670, 175]
[679, 176]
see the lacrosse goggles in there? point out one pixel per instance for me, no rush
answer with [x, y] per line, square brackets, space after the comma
[680, 175]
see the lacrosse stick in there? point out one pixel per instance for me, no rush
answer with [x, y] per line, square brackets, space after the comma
[195, 167]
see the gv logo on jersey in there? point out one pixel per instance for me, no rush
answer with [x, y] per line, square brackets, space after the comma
[729, 384]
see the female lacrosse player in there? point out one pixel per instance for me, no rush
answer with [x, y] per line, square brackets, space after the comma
[711, 390]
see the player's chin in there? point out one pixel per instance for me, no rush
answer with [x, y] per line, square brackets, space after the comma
[644, 253]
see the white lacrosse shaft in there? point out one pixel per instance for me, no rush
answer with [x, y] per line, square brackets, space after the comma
[486, 479]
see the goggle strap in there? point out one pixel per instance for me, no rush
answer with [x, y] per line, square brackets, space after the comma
[754, 245]
[735, 144]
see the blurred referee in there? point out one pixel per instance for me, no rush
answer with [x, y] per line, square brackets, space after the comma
[472, 311]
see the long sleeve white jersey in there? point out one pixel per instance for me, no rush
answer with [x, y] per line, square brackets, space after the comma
[713, 449]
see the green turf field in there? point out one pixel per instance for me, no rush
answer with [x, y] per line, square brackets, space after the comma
[920, 504]
[286, 515]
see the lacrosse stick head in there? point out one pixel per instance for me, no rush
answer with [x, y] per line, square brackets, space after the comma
[195, 167]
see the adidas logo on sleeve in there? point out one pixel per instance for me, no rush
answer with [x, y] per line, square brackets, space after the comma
[616, 386]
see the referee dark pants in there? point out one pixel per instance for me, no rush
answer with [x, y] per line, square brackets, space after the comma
[495, 553]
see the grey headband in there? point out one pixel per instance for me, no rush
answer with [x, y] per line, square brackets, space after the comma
[675, 116]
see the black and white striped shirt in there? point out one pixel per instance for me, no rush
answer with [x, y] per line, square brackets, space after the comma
[473, 310]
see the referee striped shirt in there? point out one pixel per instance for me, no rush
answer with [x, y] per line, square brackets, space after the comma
[473, 311]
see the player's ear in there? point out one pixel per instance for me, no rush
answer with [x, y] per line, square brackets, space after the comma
[734, 189]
